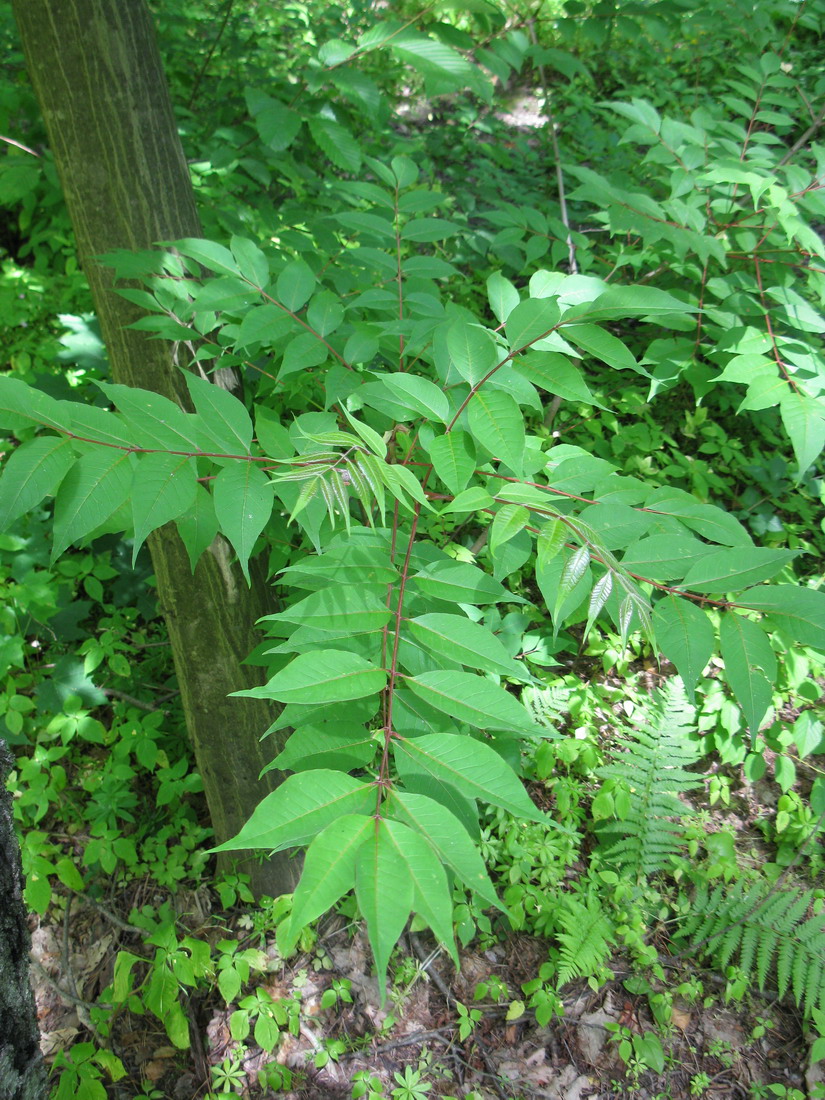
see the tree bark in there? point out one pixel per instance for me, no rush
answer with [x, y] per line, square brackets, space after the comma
[99, 80]
[22, 1070]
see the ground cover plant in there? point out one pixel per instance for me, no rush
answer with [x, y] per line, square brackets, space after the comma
[528, 447]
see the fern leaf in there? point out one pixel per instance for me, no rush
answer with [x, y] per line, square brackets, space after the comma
[764, 928]
[584, 938]
[654, 767]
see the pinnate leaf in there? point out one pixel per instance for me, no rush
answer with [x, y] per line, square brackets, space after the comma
[498, 427]
[243, 504]
[685, 636]
[472, 699]
[384, 889]
[93, 489]
[750, 666]
[164, 488]
[329, 872]
[325, 676]
[34, 470]
[460, 639]
[798, 612]
[469, 765]
[459, 582]
[472, 350]
[453, 458]
[224, 421]
[448, 837]
[300, 808]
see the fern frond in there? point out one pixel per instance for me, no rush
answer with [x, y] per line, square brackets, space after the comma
[653, 767]
[764, 930]
[546, 705]
[585, 938]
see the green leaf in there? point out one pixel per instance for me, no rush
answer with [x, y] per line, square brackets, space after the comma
[300, 808]
[215, 295]
[472, 699]
[471, 766]
[325, 312]
[431, 893]
[665, 557]
[453, 458]
[573, 573]
[339, 744]
[243, 504]
[502, 296]
[356, 609]
[337, 142]
[426, 230]
[224, 422]
[34, 470]
[329, 872]
[556, 374]
[418, 394]
[448, 837]
[727, 570]
[295, 285]
[460, 639]
[252, 263]
[100, 425]
[805, 424]
[750, 666]
[619, 302]
[21, 406]
[153, 419]
[385, 893]
[798, 612]
[496, 422]
[710, 521]
[277, 124]
[507, 522]
[93, 490]
[198, 526]
[531, 320]
[474, 499]
[302, 352]
[685, 636]
[402, 482]
[211, 255]
[459, 582]
[603, 345]
[552, 537]
[472, 350]
[163, 489]
[325, 676]
[263, 325]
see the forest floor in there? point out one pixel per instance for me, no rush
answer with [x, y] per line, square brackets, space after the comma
[720, 1051]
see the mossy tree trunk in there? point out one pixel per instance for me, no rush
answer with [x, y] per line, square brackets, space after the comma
[98, 77]
[22, 1070]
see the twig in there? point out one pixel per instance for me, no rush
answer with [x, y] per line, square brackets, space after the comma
[212, 49]
[113, 693]
[809, 133]
[61, 992]
[443, 1033]
[571, 248]
[112, 917]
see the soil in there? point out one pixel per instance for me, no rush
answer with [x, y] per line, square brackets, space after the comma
[717, 1050]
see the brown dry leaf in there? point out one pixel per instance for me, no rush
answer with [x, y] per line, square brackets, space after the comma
[153, 1071]
[680, 1018]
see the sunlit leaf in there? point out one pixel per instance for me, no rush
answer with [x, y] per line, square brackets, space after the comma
[685, 636]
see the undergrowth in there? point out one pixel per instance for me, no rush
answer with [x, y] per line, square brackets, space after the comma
[526, 411]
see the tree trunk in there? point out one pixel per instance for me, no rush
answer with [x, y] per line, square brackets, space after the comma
[98, 77]
[22, 1070]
